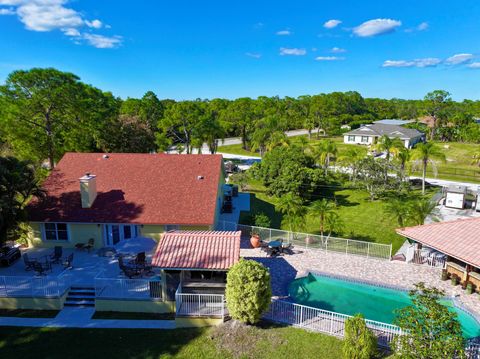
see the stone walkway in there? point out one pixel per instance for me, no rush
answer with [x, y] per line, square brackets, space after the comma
[286, 268]
[82, 318]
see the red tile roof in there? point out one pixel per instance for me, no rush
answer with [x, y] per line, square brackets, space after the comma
[459, 239]
[198, 250]
[133, 188]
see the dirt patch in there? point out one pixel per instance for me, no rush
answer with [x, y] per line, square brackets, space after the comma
[241, 340]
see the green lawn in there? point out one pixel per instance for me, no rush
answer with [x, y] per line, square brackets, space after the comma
[363, 219]
[250, 342]
[237, 150]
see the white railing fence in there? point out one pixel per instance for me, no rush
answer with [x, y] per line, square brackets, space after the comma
[199, 305]
[325, 321]
[324, 243]
[120, 288]
[472, 350]
[30, 286]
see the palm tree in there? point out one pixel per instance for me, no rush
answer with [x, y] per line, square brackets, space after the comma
[350, 157]
[325, 152]
[403, 157]
[399, 208]
[389, 145]
[420, 209]
[291, 206]
[323, 209]
[333, 223]
[426, 153]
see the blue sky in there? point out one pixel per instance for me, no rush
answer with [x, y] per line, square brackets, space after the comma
[205, 49]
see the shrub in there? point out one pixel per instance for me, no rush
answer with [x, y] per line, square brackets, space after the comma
[248, 291]
[444, 274]
[454, 279]
[262, 220]
[359, 341]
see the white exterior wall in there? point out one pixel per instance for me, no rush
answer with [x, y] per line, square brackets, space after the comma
[358, 139]
[454, 200]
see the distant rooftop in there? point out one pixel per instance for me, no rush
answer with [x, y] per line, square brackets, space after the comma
[394, 121]
[381, 129]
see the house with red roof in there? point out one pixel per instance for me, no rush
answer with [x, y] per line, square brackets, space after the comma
[458, 240]
[115, 197]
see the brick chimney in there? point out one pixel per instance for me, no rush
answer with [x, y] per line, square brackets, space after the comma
[88, 190]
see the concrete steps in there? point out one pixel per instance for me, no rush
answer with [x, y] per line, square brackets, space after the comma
[80, 297]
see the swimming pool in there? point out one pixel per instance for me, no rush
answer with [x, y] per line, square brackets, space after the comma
[375, 303]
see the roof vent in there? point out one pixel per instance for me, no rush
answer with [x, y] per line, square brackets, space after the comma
[105, 157]
[200, 178]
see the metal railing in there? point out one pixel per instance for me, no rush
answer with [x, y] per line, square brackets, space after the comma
[29, 286]
[430, 258]
[122, 288]
[199, 305]
[325, 243]
[325, 321]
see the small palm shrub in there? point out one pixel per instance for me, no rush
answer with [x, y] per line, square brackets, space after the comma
[248, 291]
[359, 341]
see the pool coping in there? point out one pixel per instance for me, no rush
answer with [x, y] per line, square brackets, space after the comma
[455, 300]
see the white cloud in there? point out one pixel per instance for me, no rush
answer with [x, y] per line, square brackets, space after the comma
[337, 50]
[7, 11]
[283, 33]
[96, 24]
[254, 55]
[292, 51]
[474, 65]
[423, 26]
[50, 15]
[458, 59]
[425, 62]
[376, 27]
[329, 58]
[330, 24]
[102, 42]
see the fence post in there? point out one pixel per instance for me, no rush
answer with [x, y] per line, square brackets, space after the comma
[270, 234]
[301, 315]
[346, 247]
[368, 249]
[331, 323]
[390, 252]
[198, 313]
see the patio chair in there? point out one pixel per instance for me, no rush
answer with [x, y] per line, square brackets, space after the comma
[90, 245]
[141, 263]
[68, 262]
[129, 270]
[29, 263]
[56, 256]
[42, 268]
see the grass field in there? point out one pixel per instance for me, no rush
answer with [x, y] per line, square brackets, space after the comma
[363, 219]
[250, 342]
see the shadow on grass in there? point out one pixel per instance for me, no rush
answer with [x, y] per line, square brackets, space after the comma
[258, 205]
[108, 343]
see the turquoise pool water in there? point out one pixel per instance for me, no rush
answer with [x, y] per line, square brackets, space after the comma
[373, 302]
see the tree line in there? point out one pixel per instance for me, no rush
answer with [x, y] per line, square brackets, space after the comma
[45, 113]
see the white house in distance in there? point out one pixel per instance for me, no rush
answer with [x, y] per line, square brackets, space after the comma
[369, 134]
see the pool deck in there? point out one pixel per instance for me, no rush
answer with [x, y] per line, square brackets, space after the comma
[286, 268]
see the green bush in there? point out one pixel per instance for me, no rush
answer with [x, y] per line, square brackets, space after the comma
[359, 341]
[248, 291]
[262, 220]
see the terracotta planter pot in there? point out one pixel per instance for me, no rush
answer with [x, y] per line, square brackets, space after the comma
[255, 241]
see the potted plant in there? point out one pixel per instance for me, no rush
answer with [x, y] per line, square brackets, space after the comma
[444, 274]
[255, 240]
[469, 288]
[454, 279]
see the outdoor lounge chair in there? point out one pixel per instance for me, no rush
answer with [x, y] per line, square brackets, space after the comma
[129, 270]
[88, 246]
[56, 256]
[29, 263]
[42, 268]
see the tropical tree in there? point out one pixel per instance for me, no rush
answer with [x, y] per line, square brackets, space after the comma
[18, 184]
[426, 153]
[400, 209]
[359, 341]
[293, 210]
[403, 157]
[248, 291]
[324, 153]
[333, 223]
[389, 146]
[268, 134]
[420, 209]
[350, 159]
[430, 329]
[324, 210]
[436, 105]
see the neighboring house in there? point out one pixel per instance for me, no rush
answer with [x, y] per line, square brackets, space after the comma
[369, 134]
[459, 240]
[120, 196]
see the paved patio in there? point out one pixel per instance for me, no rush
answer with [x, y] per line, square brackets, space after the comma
[286, 268]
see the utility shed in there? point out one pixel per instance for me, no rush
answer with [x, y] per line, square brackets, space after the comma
[455, 196]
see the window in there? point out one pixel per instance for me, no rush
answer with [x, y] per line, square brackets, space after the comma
[56, 232]
[364, 138]
[351, 138]
[127, 232]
